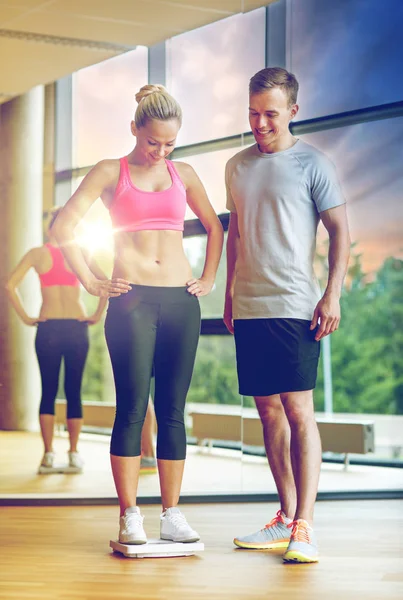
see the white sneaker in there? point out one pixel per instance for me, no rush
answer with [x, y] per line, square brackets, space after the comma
[47, 462]
[131, 527]
[174, 527]
[75, 460]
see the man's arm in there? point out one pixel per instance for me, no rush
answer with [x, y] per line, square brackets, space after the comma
[327, 311]
[232, 255]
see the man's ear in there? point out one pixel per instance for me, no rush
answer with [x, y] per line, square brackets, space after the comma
[294, 111]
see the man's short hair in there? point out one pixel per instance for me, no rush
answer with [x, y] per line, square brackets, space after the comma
[272, 77]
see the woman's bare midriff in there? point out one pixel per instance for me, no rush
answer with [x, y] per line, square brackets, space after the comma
[62, 302]
[155, 258]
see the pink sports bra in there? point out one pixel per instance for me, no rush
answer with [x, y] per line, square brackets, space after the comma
[57, 274]
[133, 209]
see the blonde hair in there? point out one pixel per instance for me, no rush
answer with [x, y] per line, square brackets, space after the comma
[272, 77]
[154, 102]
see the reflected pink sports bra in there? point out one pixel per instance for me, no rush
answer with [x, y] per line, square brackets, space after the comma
[133, 209]
[57, 274]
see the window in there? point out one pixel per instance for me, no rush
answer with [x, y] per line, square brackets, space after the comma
[367, 352]
[104, 105]
[368, 158]
[345, 54]
[212, 306]
[209, 71]
[215, 381]
[210, 167]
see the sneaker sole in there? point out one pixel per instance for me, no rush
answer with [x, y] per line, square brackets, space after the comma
[45, 470]
[297, 557]
[133, 542]
[262, 545]
[148, 470]
[188, 541]
[60, 470]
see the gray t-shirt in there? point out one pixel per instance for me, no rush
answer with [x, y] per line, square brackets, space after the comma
[278, 198]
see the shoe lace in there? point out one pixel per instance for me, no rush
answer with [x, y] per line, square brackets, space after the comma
[47, 459]
[178, 519]
[74, 458]
[300, 531]
[277, 519]
[135, 518]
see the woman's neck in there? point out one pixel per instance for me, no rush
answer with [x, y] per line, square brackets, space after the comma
[52, 241]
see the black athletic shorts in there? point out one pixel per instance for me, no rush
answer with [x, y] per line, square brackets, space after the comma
[275, 356]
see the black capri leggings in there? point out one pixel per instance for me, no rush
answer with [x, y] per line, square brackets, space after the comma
[57, 339]
[149, 326]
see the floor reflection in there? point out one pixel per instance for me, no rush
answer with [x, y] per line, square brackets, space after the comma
[208, 471]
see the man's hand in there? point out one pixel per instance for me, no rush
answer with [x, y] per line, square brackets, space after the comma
[327, 315]
[228, 321]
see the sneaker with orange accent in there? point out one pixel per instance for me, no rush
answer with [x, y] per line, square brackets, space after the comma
[275, 534]
[302, 547]
[148, 464]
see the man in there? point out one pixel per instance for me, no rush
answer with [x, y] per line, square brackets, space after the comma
[277, 191]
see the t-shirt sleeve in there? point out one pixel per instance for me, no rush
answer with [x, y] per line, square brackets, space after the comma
[230, 201]
[325, 185]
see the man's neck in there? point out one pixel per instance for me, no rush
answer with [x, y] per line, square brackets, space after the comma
[279, 145]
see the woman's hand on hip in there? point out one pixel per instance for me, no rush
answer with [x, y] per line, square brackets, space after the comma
[199, 287]
[92, 320]
[32, 322]
[108, 288]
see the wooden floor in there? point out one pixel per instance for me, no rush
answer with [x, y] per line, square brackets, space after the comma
[207, 472]
[61, 553]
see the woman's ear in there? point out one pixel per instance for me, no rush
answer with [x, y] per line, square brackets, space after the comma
[133, 128]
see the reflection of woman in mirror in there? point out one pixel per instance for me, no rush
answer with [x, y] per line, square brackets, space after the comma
[154, 313]
[62, 332]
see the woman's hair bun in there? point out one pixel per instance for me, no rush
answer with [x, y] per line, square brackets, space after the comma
[147, 90]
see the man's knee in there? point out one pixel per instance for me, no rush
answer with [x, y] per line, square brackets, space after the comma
[270, 408]
[298, 407]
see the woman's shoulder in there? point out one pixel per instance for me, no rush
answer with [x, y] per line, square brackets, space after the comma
[107, 166]
[182, 166]
[185, 171]
[36, 255]
[103, 175]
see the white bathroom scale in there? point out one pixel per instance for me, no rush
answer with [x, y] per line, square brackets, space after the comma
[66, 469]
[156, 548]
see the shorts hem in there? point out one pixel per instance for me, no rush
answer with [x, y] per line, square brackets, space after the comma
[277, 391]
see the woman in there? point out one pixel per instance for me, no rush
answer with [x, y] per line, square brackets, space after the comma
[62, 333]
[154, 314]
